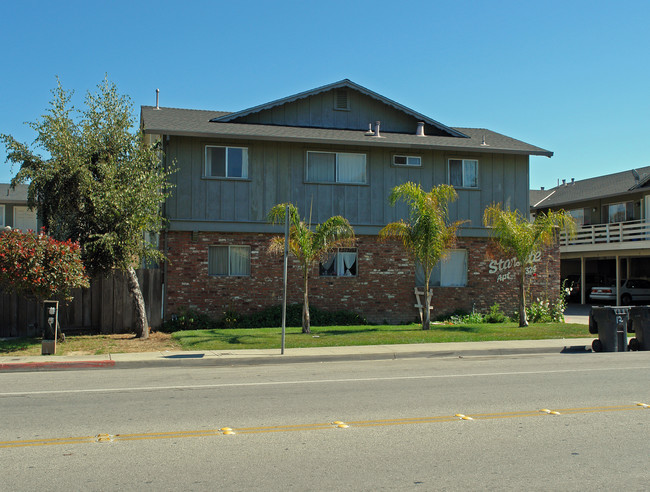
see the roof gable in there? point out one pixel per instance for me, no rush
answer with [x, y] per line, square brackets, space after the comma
[324, 107]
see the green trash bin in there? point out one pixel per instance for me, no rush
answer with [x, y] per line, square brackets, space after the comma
[640, 317]
[611, 323]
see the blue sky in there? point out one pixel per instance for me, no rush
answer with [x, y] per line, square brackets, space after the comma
[572, 77]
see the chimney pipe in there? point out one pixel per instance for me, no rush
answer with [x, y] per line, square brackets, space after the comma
[377, 124]
[564, 182]
[420, 131]
[157, 98]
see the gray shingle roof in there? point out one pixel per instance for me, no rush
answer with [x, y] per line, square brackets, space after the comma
[191, 122]
[608, 185]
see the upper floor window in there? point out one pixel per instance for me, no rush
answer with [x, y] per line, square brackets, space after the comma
[2, 215]
[336, 167]
[226, 162]
[407, 160]
[463, 173]
[232, 261]
[449, 272]
[341, 263]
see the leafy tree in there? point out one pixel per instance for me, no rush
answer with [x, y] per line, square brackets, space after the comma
[101, 184]
[307, 245]
[39, 265]
[517, 236]
[427, 233]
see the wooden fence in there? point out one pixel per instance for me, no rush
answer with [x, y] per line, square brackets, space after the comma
[105, 307]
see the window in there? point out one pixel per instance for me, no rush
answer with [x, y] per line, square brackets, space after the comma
[341, 263]
[578, 215]
[232, 261]
[336, 167]
[463, 173]
[407, 160]
[226, 162]
[618, 212]
[450, 272]
[2, 216]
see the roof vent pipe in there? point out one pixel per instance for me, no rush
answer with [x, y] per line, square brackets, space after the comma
[157, 98]
[564, 182]
[420, 131]
[369, 132]
[573, 180]
[542, 188]
[377, 124]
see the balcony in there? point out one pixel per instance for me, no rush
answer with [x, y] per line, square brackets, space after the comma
[633, 234]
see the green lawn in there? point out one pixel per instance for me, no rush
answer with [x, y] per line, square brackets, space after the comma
[331, 336]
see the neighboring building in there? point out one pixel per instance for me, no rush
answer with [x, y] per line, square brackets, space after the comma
[14, 211]
[334, 150]
[613, 236]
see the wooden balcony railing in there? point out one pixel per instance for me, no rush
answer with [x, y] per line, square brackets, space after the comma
[617, 232]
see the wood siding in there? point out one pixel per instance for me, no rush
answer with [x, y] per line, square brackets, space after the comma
[277, 174]
[318, 111]
[105, 307]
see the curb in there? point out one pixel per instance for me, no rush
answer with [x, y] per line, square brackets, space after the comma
[200, 360]
[46, 366]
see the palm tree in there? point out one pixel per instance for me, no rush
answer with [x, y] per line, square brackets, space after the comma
[427, 234]
[521, 238]
[307, 245]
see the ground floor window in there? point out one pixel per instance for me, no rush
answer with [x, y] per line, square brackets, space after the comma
[340, 263]
[233, 261]
[450, 272]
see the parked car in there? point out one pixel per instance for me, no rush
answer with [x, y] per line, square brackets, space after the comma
[632, 290]
[572, 282]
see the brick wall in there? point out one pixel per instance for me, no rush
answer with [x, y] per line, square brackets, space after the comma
[381, 291]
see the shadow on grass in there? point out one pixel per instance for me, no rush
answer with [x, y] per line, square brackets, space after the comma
[16, 344]
[318, 331]
[457, 328]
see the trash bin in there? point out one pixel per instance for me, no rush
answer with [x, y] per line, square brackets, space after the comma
[611, 323]
[640, 317]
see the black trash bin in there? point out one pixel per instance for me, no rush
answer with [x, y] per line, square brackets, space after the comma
[611, 323]
[640, 317]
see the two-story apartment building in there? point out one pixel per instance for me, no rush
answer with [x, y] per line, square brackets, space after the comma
[334, 150]
[613, 237]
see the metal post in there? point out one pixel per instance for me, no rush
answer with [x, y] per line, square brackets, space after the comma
[284, 278]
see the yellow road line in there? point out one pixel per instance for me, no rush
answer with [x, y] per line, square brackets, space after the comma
[105, 438]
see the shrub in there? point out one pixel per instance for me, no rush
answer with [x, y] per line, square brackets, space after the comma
[187, 319]
[39, 265]
[496, 315]
[269, 317]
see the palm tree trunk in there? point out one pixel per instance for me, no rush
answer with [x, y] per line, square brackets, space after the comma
[305, 304]
[426, 324]
[141, 324]
[523, 321]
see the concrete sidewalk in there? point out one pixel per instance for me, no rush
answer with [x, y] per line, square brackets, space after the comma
[296, 355]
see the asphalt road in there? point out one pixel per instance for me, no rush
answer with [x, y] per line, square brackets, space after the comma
[162, 429]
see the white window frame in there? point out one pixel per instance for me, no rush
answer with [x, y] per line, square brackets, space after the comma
[3, 219]
[336, 258]
[407, 159]
[207, 167]
[464, 162]
[337, 179]
[230, 274]
[441, 265]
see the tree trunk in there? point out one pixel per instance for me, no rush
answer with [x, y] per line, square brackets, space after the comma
[305, 305]
[141, 323]
[523, 321]
[426, 324]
